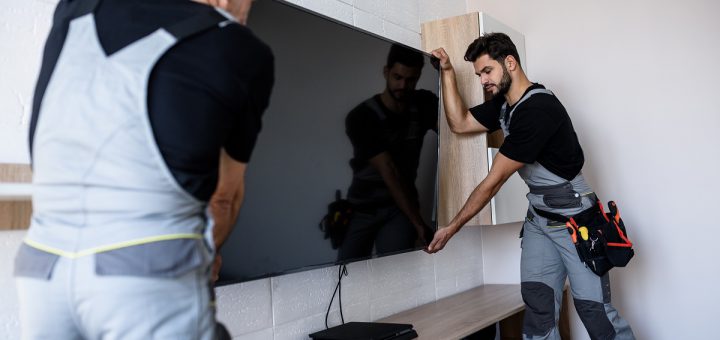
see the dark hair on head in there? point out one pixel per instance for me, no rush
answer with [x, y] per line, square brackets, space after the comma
[404, 55]
[496, 45]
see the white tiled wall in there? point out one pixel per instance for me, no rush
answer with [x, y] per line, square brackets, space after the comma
[372, 290]
[284, 307]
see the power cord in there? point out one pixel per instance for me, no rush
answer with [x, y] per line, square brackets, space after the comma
[342, 271]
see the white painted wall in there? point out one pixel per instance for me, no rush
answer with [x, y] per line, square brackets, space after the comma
[639, 79]
[285, 307]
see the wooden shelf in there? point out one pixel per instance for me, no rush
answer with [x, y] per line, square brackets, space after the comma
[460, 315]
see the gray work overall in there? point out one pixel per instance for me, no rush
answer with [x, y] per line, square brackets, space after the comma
[117, 249]
[549, 256]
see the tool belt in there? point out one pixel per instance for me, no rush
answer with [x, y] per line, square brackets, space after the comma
[599, 237]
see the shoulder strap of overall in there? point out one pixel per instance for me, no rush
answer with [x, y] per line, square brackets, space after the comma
[86, 6]
[375, 106]
[200, 23]
[524, 98]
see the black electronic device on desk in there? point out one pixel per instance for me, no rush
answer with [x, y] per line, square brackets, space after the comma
[367, 331]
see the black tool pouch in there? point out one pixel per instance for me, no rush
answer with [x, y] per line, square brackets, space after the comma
[600, 238]
[335, 223]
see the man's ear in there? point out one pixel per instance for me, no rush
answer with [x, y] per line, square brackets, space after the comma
[510, 63]
[386, 71]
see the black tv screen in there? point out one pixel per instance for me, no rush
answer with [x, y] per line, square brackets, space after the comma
[328, 128]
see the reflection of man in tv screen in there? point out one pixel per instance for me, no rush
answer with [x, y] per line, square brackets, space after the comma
[387, 133]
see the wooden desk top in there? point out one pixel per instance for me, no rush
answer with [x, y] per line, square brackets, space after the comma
[462, 314]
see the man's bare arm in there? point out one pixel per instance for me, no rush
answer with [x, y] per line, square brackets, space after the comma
[457, 114]
[228, 197]
[501, 170]
[400, 194]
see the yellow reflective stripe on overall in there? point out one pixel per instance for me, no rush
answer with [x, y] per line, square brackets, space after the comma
[109, 247]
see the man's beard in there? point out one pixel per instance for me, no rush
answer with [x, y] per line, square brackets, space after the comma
[398, 95]
[505, 82]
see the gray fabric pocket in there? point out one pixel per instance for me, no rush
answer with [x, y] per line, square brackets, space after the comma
[171, 258]
[563, 201]
[34, 263]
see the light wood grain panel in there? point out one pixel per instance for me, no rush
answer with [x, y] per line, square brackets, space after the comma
[15, 173]
[462, 314]
[463, 160]
[15, 214]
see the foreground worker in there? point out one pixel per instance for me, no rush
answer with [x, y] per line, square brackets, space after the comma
[145, 115]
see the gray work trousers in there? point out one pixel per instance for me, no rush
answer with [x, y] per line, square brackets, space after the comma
[548, 258]
[76, 304]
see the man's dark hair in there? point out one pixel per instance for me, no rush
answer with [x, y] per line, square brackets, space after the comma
[496, 45]
[406, 56]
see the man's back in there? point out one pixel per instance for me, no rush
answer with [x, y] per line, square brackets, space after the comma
[202, 96]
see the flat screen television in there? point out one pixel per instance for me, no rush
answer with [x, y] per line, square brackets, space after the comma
[324, 70]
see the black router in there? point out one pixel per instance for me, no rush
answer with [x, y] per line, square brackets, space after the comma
[367, 331]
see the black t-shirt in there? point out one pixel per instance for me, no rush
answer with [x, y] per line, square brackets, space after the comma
[540, 131]
[399, 134]
[205, 93]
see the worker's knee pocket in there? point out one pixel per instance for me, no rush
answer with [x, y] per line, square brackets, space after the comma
[169, 258]
[595, 319]
[540, 312]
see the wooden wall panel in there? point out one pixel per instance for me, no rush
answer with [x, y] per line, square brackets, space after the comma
[15, 214]
[463, 158]
[15, 173]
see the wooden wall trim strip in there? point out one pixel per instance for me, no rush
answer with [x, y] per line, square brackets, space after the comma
[15, 214]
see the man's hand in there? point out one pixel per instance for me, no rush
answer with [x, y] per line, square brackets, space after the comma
[442, 236]
[217, 264]
[424, 235]
[240, 9]
[443, 59]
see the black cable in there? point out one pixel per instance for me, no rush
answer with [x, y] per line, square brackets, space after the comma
[342, 271]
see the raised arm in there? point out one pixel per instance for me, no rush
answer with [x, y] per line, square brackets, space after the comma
[457, 114]
[501, 170]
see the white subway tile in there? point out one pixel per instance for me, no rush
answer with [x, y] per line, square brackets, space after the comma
[430, 10]
[403, 13]
[401, 34]
[264, 334]
[332, 8]
[295, 296]
[245, 307]
[399, 273]
[376, 7]
[392, 304]
[368, 21]
[445, 287]
[299, 329]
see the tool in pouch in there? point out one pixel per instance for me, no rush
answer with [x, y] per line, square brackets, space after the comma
[337, 219]
[599, 237]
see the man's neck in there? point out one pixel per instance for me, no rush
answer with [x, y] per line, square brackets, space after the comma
[390, 102]
[517, 89]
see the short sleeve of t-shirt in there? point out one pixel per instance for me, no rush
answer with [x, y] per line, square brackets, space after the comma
[488, 113]
[530, 129]
[241, 141]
